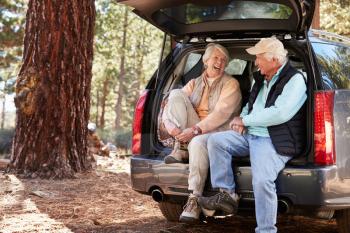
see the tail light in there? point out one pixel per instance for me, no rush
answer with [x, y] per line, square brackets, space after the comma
[324, 128]
[137, 124]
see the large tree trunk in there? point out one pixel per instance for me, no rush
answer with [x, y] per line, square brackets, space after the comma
[316, 19]
[118, 107]
[53, 90]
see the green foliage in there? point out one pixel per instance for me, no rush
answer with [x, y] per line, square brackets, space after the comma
[142, 51]
[106, 135]
[12, 22]
[12, 18]
[335, 16]
[121, 139]
[6, 136]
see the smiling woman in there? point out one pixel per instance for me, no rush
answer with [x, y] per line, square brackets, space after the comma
[204, 105]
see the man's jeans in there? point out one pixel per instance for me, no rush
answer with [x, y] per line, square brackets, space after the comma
[265, 164]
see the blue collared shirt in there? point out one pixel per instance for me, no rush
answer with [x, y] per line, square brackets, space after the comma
[286, 105]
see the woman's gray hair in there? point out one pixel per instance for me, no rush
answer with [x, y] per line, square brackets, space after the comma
[210, 48]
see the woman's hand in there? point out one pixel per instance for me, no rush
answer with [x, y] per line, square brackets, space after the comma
[237, 125]
[175, 131]
[186, 135]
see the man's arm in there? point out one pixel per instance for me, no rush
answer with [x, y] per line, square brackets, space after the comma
[286, 105]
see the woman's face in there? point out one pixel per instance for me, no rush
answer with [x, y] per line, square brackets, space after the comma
[216, 64]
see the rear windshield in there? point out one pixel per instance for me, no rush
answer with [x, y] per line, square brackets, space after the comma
[193, 13]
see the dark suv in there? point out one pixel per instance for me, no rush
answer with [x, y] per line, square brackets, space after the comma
[317, 182]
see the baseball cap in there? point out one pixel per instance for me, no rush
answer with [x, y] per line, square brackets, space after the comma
[268, 45]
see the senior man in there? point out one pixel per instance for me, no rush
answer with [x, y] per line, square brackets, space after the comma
[271, 129]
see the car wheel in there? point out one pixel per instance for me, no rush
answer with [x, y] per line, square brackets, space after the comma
[343, 220]
[171, 211]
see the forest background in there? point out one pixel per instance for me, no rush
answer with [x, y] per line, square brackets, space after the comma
[126, 54]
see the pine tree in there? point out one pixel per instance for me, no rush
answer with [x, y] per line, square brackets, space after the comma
[53, 90]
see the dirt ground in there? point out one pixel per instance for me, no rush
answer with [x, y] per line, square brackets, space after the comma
[103, 201]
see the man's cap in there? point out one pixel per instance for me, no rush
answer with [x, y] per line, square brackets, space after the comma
[268, 45]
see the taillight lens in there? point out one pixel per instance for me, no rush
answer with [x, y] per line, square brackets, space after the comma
[137, 124]
[324, 128]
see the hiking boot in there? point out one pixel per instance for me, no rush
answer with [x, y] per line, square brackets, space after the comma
[178, 155]
[191, 210]
[221, 201]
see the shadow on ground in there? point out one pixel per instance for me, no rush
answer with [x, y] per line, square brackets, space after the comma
[103, 201]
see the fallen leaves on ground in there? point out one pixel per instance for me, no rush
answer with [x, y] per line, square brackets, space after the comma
[103, 201]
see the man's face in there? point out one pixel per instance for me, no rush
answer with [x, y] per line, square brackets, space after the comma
[216, 64]
[265, 66]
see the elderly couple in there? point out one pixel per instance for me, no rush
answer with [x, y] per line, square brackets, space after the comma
[269, 129]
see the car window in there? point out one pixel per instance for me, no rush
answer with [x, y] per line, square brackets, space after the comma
[192, 60]
[334, 65]
[236, 67]
[191, 13]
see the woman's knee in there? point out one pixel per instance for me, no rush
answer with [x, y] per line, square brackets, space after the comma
[198, 141]
[198, 147]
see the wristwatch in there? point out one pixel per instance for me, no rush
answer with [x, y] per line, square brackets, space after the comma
[196, 130]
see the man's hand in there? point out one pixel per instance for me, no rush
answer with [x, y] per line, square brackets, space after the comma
[237, 125]
[186, 135]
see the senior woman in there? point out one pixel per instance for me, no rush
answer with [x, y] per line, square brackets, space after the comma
[204, 105]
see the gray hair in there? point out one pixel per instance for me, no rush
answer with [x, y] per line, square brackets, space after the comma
[280, 58]
[210, 48]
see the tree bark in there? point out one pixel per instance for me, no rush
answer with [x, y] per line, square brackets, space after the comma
[316, 19]
[118, 107]
[53, 90]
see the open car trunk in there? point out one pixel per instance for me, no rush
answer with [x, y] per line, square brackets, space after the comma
[241, 66]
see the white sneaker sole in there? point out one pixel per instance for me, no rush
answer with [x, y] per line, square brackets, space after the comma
[207, 212]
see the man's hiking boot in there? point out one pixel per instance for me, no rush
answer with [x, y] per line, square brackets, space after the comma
[178, 155]
[191, 211]
[221, 201]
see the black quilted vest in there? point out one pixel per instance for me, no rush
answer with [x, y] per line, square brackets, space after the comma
[288, 138]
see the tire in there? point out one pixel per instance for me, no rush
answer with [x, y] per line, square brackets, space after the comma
[343, 220]
[171, 211]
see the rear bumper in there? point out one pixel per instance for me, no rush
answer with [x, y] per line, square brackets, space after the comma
[318, 187]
